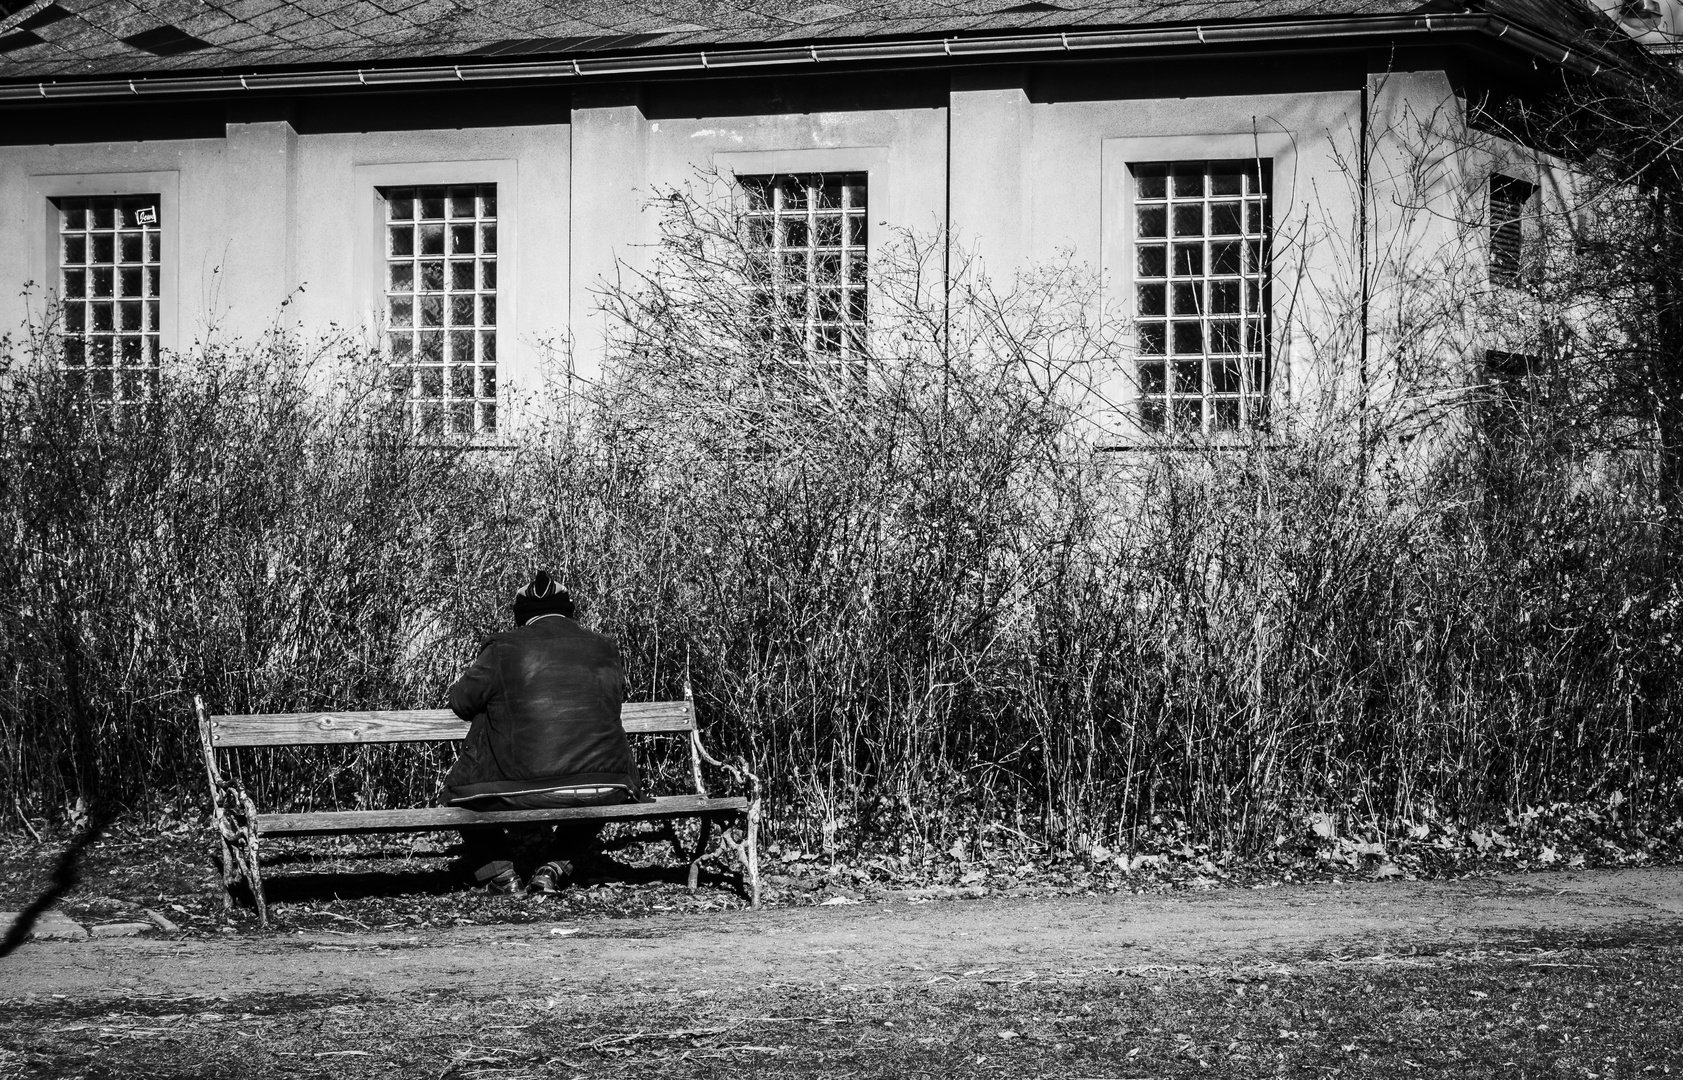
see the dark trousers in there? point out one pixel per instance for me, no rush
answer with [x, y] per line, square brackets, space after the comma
[489, 851]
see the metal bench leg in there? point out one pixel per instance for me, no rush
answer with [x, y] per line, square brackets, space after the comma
[751, 852]
[225, 836]
[219, 818]
[705, 833]
[243, 846]
[748, 852]
[255, 876]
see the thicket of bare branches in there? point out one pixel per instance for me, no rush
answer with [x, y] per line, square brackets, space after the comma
[910, 587]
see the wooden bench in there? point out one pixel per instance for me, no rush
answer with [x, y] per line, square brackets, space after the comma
[240, 826]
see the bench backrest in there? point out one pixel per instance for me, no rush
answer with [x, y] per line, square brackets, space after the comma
[415, 725]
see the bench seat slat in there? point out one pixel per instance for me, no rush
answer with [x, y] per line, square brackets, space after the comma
[455, 817]
[410, 725]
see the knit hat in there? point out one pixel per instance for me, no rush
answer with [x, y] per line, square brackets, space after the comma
[543, 596]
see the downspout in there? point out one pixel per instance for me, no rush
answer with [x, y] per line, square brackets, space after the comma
[1363, 182]
[947, 270]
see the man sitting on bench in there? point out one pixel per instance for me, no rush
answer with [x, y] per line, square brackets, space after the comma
[543, 700]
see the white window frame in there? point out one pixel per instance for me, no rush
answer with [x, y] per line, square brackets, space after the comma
[45, 192]
[871, 161]
[1118, 247]
[370, 181]
[834, 335]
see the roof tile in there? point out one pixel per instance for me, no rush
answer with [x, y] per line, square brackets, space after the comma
[250, 34]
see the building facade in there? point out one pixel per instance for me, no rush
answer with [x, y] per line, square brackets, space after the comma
[455, 181]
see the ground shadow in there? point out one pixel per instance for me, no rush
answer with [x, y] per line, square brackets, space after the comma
[321, 885]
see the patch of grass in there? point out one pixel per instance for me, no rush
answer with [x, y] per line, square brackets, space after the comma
[1599, 1013]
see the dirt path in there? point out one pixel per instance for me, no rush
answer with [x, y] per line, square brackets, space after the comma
[876, 944]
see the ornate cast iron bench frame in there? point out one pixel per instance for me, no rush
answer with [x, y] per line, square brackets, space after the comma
[240, 826]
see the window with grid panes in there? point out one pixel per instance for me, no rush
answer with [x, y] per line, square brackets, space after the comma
[441, 304]
[1201, 294]
[807, 234]
[109, 288]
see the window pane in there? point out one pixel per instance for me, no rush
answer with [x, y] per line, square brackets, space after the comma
[1225, 257]
[1226, 182]
[1226, 219]
[1151, 182]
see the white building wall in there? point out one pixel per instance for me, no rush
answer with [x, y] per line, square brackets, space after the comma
[266, 215]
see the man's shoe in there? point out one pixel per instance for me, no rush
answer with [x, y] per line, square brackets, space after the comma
[550, 877]
[498, 876]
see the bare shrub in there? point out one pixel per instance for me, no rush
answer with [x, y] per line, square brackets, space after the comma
[915, 586]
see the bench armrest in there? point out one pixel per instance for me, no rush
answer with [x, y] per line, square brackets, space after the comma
[737, 771]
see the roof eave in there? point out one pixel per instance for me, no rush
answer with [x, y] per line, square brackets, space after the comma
[1320, 32]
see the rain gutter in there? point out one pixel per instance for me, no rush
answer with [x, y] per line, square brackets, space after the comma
[1298, 32]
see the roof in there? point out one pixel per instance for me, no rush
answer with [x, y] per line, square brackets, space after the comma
[66, 39]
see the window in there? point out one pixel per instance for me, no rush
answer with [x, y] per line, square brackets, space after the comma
[1201, 294]
[109, 286]
[1511, 203]
[806, 238]
[441, 305]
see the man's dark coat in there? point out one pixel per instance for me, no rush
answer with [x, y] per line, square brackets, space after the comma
[543, 700]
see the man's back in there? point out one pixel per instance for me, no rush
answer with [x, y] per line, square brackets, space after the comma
[544, 701]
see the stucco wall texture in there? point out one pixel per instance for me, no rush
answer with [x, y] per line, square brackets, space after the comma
[267, 226]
